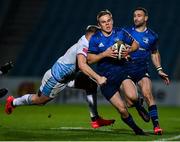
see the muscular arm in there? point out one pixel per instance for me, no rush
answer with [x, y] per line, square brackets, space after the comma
[86, 69]
[134, 46]
[94, 58]
[6, 67]
[156, 59]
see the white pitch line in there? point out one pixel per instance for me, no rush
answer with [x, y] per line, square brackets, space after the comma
[81, 128]
[111, 130]
[169, 139]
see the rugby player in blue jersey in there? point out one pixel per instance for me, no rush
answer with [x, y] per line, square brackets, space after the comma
[137, 68]
[101, 51]
[60, 75]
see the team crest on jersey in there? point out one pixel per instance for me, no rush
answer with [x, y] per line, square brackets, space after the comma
[145, 40]
[101, 45]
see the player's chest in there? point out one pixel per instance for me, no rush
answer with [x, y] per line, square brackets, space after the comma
[145, 41]
[105, 43]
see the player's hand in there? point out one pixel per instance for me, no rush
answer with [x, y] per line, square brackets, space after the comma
[6, 67]
[102, 80]
[110, 53]
[164, 77]
[125, 53]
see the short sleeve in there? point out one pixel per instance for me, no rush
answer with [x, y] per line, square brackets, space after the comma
[155, 44]
[82, 49]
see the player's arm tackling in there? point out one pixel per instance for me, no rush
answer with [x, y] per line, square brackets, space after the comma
[86, 69]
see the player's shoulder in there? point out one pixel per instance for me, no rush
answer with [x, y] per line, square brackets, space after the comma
[83, 41]
[153, 33]
[124, 30]
[128, 28]
[97, 34]
[96, 37]
[117, 30]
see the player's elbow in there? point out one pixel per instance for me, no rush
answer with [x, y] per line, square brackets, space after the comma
[90, 59]
[82, 66]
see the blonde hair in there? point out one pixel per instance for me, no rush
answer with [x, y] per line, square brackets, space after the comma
[102, 13]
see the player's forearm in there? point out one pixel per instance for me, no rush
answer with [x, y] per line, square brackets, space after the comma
[156, 59]
[93, 58]
[85, 68]
[88, 71]
[134, 47]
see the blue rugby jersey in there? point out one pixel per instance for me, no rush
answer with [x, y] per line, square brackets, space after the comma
[99, 43]
[147, 41]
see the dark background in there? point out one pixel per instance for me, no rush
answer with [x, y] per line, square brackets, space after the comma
[35, 33]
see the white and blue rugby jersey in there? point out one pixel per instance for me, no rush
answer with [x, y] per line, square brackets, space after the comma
[65, 67]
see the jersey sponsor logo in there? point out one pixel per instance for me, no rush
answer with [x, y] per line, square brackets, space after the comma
[101, 45]
[145, 40]
[142, 49]
[85, 50]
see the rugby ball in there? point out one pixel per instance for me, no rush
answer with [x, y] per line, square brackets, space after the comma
[119, 46]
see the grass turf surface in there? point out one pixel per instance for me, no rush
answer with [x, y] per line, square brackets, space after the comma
[71, 123]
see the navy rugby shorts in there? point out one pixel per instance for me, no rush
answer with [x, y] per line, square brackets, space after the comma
[115, 76]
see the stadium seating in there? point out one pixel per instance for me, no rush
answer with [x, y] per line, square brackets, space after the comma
[50, 27]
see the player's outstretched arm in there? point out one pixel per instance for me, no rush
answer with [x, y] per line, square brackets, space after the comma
[6, 67]
[156, 59]
[86, 69]
[94, 58]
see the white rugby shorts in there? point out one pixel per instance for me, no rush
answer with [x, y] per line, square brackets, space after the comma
[50, 87]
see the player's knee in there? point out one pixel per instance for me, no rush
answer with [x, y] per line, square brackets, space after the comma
[39, 100]
[129, 105]
[134, 98]
[122, 110]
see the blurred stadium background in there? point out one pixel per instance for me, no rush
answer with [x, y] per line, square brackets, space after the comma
[34, 33]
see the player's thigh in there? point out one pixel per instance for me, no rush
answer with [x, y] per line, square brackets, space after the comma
[130, 89]
[50, 87]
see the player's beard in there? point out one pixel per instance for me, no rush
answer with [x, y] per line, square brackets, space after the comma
[139, 23]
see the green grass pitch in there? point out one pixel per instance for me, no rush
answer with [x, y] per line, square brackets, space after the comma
[71, 123]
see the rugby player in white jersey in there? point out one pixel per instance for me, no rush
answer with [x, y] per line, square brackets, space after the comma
[62, 72]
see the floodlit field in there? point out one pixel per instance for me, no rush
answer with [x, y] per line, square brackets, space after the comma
[71, 123]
